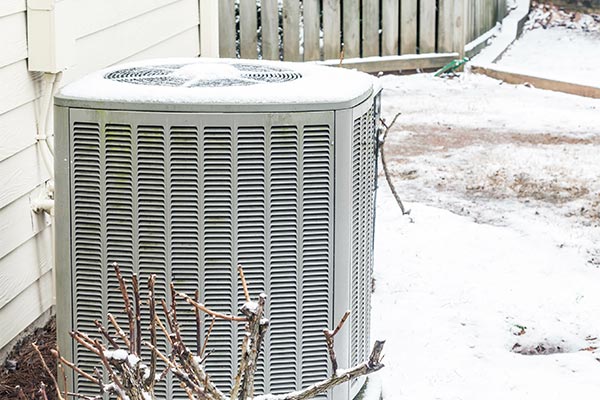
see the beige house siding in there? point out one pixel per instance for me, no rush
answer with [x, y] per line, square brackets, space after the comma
[106, 32]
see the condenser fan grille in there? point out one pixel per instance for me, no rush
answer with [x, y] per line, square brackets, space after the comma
[203, 75]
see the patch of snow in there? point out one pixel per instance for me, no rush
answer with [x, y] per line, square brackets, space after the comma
[133, 360]
[462, 299]
[120, 355]
[557, 53]
[476, 101]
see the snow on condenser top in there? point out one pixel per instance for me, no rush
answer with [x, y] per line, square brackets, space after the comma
[202, 83]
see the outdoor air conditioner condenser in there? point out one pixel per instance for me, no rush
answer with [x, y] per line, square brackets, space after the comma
[184, 168]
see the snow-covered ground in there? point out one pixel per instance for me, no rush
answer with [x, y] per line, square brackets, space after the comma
[557, 53]
[500, 254]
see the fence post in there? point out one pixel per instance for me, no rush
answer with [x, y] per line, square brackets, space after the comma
[209, 27]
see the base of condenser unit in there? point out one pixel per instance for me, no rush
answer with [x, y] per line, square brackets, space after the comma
[370, 390]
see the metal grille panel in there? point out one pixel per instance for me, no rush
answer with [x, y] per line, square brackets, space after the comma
[190, 199]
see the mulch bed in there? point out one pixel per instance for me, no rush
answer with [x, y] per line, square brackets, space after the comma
[23, 366]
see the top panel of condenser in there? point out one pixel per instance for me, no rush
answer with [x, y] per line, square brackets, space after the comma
[218, 85]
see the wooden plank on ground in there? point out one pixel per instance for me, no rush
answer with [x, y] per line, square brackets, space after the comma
[351, 28]
[227, 30]
[291, 30]
[370, 28]
[408, 27]
[311, 30]
[248, 29]
[517, 78]
[13, 38]
[427, 27]
[445, 26]
[269, 20]
[26, 308]
[390, 10]
[24, 265]
[408, 62]
[331, 29]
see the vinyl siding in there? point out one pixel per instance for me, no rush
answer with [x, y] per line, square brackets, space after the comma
[106, 32]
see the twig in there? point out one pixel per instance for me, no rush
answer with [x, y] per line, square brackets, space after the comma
[128, 307]
[198, 323]
[373, 364]
[20, 393]
[152, 309]
[138, 315]
[118, 329]
[42, 392]
[329, 340]
[341, 56]
[215, 314]
[244, 284]
[74, 367]
[210, 328]
[50, 374]
[386, 171]
[106, 335]
[119, 388]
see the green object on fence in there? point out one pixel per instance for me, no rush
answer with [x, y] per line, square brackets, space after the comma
[451, 66]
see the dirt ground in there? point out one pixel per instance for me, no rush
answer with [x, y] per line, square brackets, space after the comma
[24, 368]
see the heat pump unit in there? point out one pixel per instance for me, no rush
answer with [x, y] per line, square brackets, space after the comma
[184, 168]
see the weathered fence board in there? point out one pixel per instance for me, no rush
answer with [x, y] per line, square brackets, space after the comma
[351, 28]
[408, 27]
[269, 15]
[331, 28]
[445, 26]
[311, 30]
[248, 26]
[390, 11]
[227, 31]
[370, 28]
[291, 30]
[427, 27]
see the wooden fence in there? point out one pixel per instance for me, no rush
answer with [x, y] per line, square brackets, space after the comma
[308, 30]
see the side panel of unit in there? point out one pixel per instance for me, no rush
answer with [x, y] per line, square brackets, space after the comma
[355, 166]
[187, 197]
[62, 201]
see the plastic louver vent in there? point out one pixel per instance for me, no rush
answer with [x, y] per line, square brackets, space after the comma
[187, 202]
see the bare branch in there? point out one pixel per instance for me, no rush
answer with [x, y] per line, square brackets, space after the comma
[329, 340]
[74, 367]
[50, 374]
[128, 307]
[138, 315]
[152, 308]
[386, 171]
[215, 314]
[119, 331]
[244, 284]
[106, 335]
[198, 323]
[373, 364]
[210, 328]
